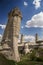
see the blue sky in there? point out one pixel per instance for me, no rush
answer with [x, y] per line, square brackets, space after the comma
[32, 12]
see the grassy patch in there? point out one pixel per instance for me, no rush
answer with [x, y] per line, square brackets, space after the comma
[4, 61]
[30, 63]
[25, 61]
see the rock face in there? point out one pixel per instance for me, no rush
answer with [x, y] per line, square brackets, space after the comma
[11, 34]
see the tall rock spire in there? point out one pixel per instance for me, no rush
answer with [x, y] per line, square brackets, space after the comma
[11, 33]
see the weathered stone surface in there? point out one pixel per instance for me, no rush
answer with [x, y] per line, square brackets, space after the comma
[11, 34]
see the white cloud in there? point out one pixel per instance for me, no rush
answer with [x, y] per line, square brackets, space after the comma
[22, 27]
[29, 38]
[2, 26]
[26, 38]
[0, 37]
[37, 3]
[19, 38]
[25, 3]
[36, 21]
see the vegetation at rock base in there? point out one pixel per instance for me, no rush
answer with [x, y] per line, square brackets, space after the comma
[4, 61]
[28, 59]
